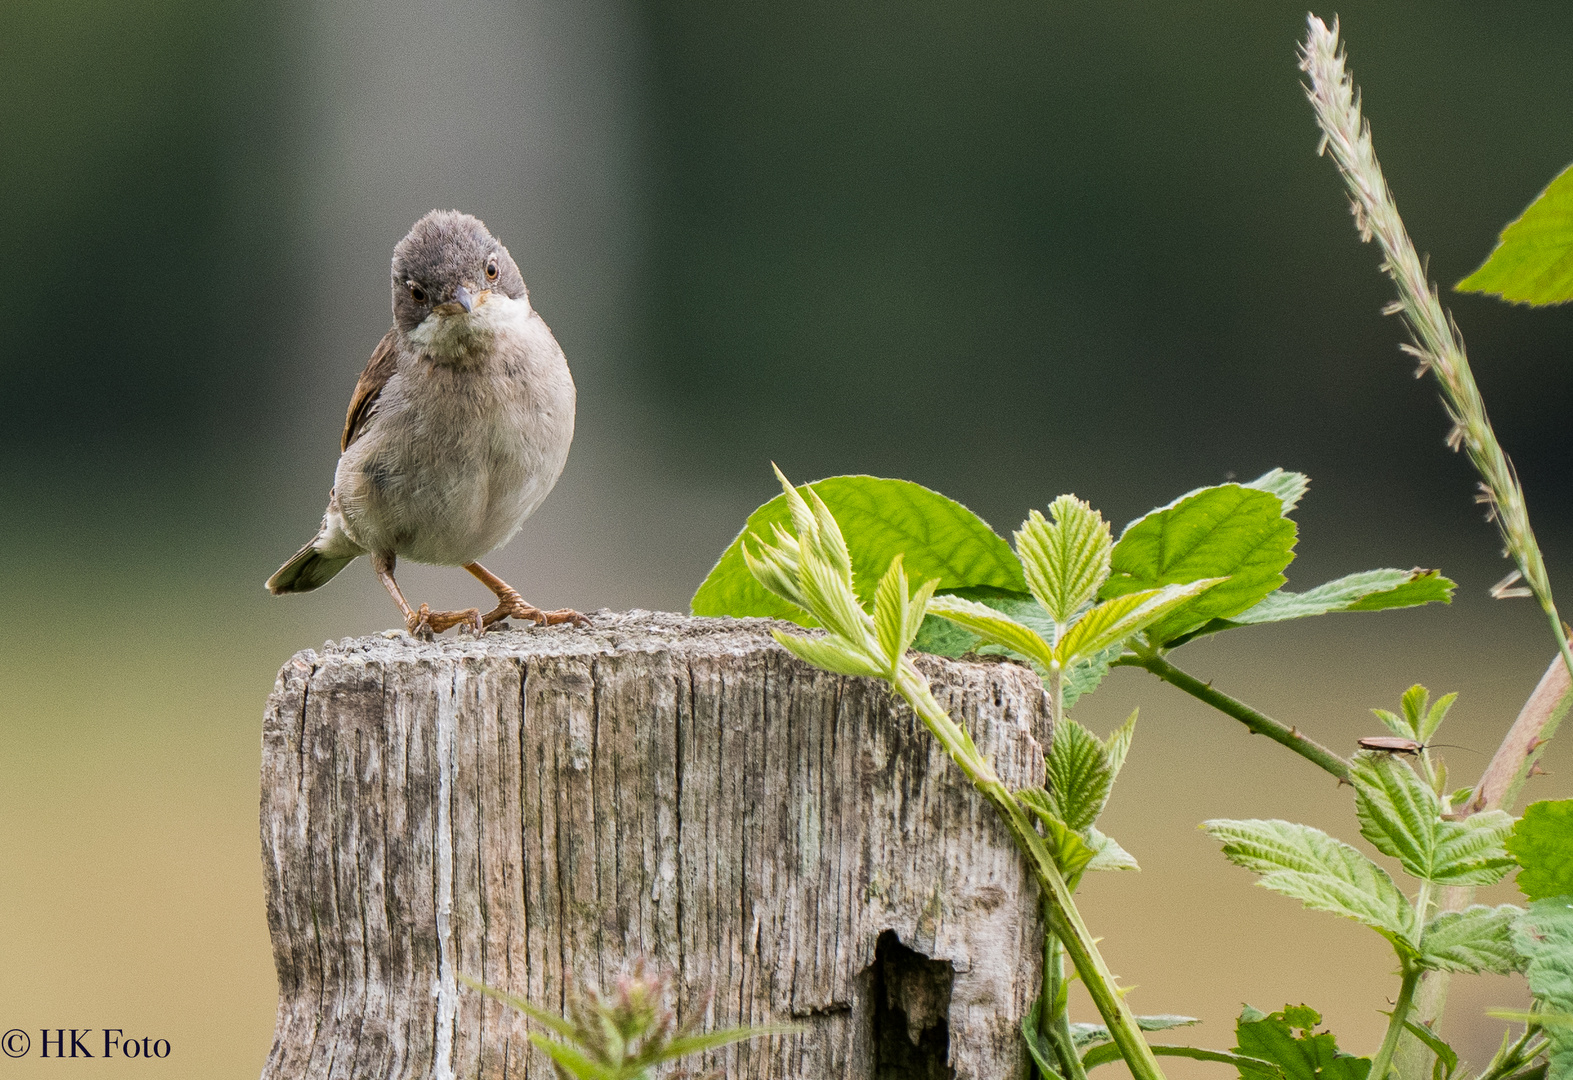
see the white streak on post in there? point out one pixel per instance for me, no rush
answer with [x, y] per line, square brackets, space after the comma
[446, 987]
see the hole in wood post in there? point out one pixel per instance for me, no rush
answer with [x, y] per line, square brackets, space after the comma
[911, 997]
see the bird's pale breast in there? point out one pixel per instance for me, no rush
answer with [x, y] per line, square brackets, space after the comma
[458, 455]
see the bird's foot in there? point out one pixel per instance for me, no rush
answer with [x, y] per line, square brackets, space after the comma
[427, 624]
[512, 605]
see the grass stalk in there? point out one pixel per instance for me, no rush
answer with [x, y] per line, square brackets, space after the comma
[1435, 340]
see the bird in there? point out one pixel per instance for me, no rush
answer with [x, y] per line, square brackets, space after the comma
[457, 430]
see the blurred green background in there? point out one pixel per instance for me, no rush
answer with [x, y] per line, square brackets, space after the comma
[1006, 249]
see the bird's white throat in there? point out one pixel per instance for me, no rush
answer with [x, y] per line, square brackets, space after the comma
[468, 335]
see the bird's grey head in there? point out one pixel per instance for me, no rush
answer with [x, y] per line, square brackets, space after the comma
[448, 266]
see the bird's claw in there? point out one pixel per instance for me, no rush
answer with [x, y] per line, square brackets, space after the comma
[425, 624]
[512, 605]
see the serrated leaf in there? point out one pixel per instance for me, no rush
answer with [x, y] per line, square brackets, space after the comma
[993, 626]
[1321, 872]
[1533, 260]
[1479, 938]
[1115, 621]
[1394, 723]
[1066, 561]
[890, 612]
[1544, 936]
[1106, 854]
[1043, 1055]
[572, 1061]
[880, 518]
[1401, 816]
[1085, 1035]
[1071, 852]
[1290, 487]
[1542, 843]
[1118, 744]
[1303, 1056]
[1084, 675]
[1230, 531]
[1079, 777]
[1370, 590]
[1434, 716]
[1446, 1056]
[828, 653]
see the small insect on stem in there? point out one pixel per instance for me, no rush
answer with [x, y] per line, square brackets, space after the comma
[1393, 744]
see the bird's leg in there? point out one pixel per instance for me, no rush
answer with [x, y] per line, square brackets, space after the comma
[511, 605]
[424, 623]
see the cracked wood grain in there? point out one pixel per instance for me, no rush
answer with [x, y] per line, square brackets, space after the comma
[532, 809]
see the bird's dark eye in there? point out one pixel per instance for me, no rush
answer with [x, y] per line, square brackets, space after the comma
[417, 293]
[491, 269]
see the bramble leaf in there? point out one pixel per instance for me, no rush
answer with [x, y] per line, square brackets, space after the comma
[1085, 1035]
[1479, 938]
[1369, 590]
[880, 518]
[1107, 854]
[993, 626]
[1064, 562]
[1401, 816]
[1321, 872]
[1288, 1039]
[1230, 531]
[1542, 842]
[1118, 744]
[1079, 776]
[1115, 621]
[1290, 487]
[1533, 260]
[1544, 936]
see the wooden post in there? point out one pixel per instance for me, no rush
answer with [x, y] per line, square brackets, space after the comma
[543, 805]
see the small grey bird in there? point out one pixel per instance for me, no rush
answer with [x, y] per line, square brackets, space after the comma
[458, 428]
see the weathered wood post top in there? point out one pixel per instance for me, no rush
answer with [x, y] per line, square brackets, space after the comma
[543, 804]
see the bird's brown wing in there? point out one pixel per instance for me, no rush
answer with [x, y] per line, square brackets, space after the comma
[363, 406]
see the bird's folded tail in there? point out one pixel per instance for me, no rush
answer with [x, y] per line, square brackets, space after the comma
[309, 569]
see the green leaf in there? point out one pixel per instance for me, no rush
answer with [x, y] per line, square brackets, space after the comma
[993, 626]
[830, 654]
[1228, 531]
[1043, 1055]
[1085, 1035]
[1446, 1056]
[573, 1062]
[1542, 843]
[1288, 1040]
[1115, 621]
[1401, 816]
[1079, 775]
[880, 518]
[1118, 744]
[1106, 854]
[1322, 873]
[1064, 562]
[1533, 260]
[1071, 853]
[710, 1040]
[1084, 675]
[1370, 590]
[1290, 487]
[1479, 938]
[1259, 1070]
[1544, 936]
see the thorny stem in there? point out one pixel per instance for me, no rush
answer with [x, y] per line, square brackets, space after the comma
[1064, 920]
[1258, 723]
[1435, 340]
[1406, 995]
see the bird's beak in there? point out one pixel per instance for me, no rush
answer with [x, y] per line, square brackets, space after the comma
[463, 300]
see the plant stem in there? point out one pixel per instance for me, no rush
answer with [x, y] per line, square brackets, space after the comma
[1053, 1020]
[1258, 723]
[1406, 995]
[1434, 338]
[1064, 920]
